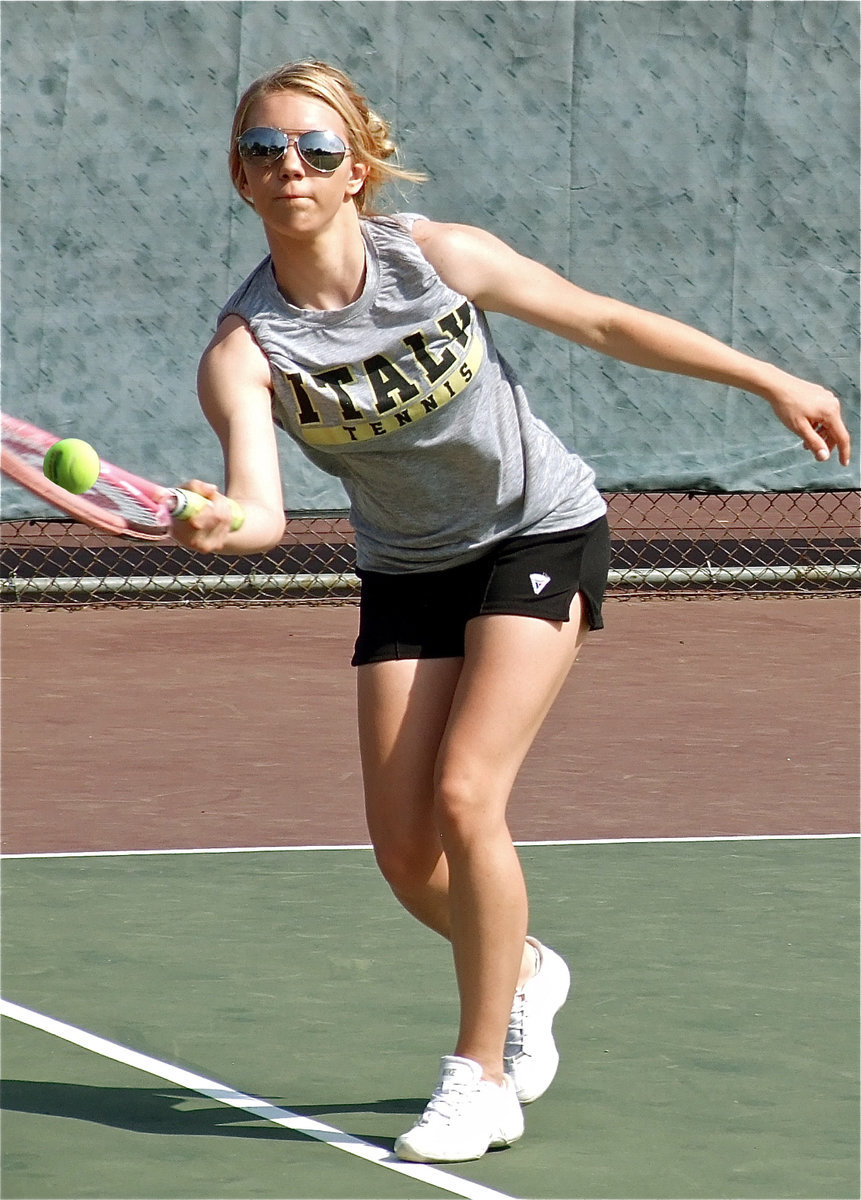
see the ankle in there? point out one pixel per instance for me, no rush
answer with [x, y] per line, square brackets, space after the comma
[489, 1074]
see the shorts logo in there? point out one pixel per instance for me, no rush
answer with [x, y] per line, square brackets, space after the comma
[539, 582]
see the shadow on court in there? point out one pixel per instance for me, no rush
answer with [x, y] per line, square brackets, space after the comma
[166, 1111]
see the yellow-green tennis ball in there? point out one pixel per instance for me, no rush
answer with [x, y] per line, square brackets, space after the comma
[72, 464]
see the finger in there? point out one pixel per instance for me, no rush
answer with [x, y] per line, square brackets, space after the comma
[814, 441]
[830, 435]
[209, 490]
[201, 514]
[843, 443]
[833, 429]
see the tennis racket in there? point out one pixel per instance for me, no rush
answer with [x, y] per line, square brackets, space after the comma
[118, 502]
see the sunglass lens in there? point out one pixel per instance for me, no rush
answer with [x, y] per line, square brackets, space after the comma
[322, 149]
[262, 144]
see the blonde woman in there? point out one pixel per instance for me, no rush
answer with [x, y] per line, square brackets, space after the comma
[481, 541]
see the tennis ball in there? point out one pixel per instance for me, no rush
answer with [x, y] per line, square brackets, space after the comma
[72, 464]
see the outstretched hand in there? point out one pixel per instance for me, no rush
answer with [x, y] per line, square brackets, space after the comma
[813, 414]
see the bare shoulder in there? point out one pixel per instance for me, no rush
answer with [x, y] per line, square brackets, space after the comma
[233, 355]
[465, 257]
[233, 372]
[233, 341]
[429, 234]
[498, 278]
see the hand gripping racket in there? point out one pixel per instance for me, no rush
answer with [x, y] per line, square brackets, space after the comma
[118, 502]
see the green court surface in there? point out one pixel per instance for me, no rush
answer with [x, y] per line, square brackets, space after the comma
[709, 1048]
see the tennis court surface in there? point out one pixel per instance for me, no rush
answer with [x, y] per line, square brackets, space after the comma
[209, 992]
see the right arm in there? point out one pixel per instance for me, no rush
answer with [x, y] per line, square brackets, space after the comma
[235, 390]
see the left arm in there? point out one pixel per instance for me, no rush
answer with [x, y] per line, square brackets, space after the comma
[498, 279]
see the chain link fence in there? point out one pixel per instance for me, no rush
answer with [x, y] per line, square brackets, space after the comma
[663, 544]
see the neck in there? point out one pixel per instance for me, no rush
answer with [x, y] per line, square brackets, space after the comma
[324, 272]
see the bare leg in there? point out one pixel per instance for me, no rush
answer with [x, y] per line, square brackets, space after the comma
[403, 710]
[442, 741]
[513, 670]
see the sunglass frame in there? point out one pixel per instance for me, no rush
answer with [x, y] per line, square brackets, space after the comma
[276, 150]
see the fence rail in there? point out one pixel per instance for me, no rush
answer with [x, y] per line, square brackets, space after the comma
[663, 543]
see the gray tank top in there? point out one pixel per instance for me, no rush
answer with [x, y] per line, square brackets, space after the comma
[403, 396]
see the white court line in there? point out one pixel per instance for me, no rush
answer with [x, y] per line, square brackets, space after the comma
[251, 1104]
[632, 841]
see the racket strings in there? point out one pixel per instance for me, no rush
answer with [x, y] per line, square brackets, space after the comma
[137, 512]
[116, 498]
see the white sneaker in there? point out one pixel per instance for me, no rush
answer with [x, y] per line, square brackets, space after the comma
[465, 1116]
[531, 1057]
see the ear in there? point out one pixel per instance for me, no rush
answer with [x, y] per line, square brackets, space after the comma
[359, 172]
[243, 188]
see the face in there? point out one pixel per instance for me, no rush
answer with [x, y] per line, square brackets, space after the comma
[290, 196]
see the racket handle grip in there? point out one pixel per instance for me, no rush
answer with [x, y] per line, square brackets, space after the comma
[186, 504]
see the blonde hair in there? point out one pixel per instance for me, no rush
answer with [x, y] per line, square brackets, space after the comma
[369, 135]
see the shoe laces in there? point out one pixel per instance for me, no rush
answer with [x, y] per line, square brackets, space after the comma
[514, 1038]
[448, 1099]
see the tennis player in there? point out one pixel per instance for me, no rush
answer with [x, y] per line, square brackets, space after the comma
[482, 542]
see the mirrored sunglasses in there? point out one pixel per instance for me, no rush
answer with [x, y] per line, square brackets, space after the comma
[319, 148]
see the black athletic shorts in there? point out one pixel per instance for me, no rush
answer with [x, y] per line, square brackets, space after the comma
[424, 614]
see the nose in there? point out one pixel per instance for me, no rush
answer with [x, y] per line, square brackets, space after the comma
[291, 162]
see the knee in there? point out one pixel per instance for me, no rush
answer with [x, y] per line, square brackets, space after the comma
[462, 804]
[407, 864]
